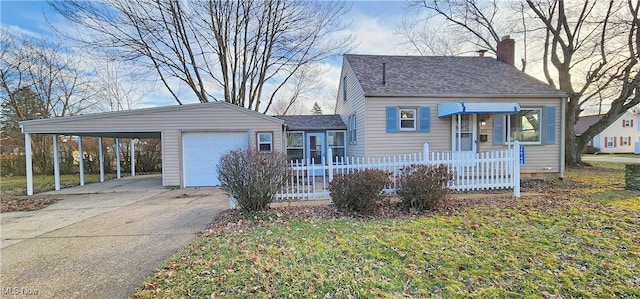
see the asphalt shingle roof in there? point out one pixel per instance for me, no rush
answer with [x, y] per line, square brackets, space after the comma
[585, 122]
[440, 75]
[313, 122]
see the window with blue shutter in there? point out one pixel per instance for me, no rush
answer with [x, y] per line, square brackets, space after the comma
[425, 119]
[392, 119]
[549, 119]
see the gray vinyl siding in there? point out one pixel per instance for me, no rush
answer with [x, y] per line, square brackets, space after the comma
[537, 156]
[170, 122]
[381, 143]
[355, 104]
[171, 148]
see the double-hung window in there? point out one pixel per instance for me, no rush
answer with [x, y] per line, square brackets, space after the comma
[344, 89]
[265, 142]
[526, 126]
[295, 146]
[352, 136]
[407, 119]
[609, 142]
[336, 141]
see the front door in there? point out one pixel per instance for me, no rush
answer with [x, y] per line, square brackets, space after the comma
[464, 133]
[315, 150]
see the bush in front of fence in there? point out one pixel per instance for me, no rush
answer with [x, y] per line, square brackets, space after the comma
[422, 187]
[252, 178]
[359, 191]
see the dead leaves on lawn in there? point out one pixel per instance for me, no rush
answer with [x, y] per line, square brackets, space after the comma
[27, 204]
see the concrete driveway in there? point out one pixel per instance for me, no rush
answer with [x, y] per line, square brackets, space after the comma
[102, 240]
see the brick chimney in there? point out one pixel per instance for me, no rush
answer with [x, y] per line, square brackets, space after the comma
[506, 50]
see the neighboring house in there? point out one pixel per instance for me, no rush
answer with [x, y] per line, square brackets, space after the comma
[619, 137]
[395, 104]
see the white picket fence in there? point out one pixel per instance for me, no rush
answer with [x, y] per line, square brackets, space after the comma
[472, 171]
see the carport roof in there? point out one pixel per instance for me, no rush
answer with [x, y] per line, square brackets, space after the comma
[105, 122]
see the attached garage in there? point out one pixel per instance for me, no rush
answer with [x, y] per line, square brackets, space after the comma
[201, 152]
[193, 137]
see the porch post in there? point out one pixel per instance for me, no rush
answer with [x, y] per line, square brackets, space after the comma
[101, 159]
[132, 154]
[56, 163]
[459, 132]
[118, 158]
[330, 163]
[81, 160]
[29, 166]
[516, 169]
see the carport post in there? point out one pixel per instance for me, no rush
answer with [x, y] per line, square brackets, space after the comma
[101, 155]
[29, 166]
[81, 160]
[56, 163]
[118, 158]
[132, 154]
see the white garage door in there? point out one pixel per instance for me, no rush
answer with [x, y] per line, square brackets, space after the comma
[201, 152]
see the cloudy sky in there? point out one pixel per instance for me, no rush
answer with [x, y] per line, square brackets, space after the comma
[373, 24]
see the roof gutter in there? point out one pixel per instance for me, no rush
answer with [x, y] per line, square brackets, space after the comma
[468, 96]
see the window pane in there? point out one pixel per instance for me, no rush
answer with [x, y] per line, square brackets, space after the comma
[294, 139]
[525, 126]
[295, 154]
[336, 138]
[407, 113]
[264, 137]
[265, 147]
[337, 152]
[407, 124]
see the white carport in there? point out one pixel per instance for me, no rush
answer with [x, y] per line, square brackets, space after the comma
[207, 130]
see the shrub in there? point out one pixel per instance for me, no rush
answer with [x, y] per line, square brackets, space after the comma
[252, 178]
[359, 191]
[422, 187]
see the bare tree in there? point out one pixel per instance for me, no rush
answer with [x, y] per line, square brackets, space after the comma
[120, 87]
[231, 50]
[304, 87]
[48, 71]
[37, 80]
[590, 48]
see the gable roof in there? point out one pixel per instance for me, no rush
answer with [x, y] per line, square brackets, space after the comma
[141, 111]
[314, 122]
[444, 76]
[146, 122]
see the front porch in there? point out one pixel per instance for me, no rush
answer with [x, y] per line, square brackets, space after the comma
[479, 171]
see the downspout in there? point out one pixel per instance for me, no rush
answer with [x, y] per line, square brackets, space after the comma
[563, 120]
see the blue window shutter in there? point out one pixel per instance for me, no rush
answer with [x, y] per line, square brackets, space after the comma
[498, 129]
[425, 119]
[392, 119]
[549, 117]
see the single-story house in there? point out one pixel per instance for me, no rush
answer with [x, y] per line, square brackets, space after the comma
[619, 137]
[394, 104]
[386, 105]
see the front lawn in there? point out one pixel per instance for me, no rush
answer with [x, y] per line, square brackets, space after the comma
[581, 238]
